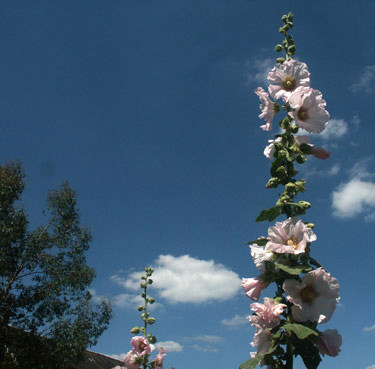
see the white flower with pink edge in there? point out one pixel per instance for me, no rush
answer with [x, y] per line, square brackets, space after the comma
[309, 112]
[290, 236]
[287, 77]
[314, 298]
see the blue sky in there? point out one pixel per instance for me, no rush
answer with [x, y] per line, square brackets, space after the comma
[147, 109]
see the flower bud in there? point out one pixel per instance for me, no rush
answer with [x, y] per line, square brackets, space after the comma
[304, 205]
[284, 18]
[280, 60]
[151, 300]
[281, 171]
[292, 49]
[281, 29]
[278, 48]
[143, 295]
[152, 339]
[151, 320]
[135, 330]
[273, 182]
[291, 187]
[289, 24]
[310, 225]
[143, 285]
[140, 308]
[301, 159]
[150, 281]
[143, 277]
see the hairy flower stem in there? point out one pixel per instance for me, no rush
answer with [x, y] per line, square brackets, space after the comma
[289, 355]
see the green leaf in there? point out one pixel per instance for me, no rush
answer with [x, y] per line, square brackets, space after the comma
[252, 363]
[299, 330]
[260, 241]
[293, 270]
[268, 214]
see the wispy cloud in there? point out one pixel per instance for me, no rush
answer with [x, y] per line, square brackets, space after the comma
[335, 169]
[356, 196]
[366, 81]
[180, 279]
[205, 343]
[235, 321]
[369, 329]
[336, 128]
[257, 70]
[371, 367]
[170, 346]
[207, 338]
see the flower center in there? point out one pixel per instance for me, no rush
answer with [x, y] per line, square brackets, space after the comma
[289, 84]
[302, 114]
[293, 243]
[141, 346]
[308, 294]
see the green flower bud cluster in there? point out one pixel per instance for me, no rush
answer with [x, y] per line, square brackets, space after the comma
[287, 44]
[145, 316]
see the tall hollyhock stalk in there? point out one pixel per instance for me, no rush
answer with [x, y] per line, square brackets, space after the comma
[142, 346]
[288, 324]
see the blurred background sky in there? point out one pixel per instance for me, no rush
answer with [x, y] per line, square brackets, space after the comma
[147, 109]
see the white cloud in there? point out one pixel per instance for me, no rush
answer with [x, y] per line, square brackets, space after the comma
[369, 329]
[170, 346]
[371, 367]
[258, 69]
[205, 348]
[186, 279]
[366, 82]
[207, 338]
[118, 356]
[125, 300]
[357, 196]
[235, 321]
[336, 128]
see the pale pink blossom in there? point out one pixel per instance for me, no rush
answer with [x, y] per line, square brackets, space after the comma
[141, 346]
[270, 149]
[260, 256]
[268, 313]
[329, 342]
[262, 339]
[119, 367]
[130, 360]
[314, 298]
[266, 107]
[290, 236]
[309, 112]
[160, 358]
[253, 287]
[318, 152]
[287, 77]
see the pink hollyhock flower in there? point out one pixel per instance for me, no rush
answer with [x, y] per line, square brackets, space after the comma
[318, 152]
[309, 112]
[262, 339]
[266, 107]
[268, 313]
[287, 77]
[260, 256]
[290, 236]
[160, 358]
[314, 298]
[329, 342]
[253, 287]
[130, 360]
[119, 367]
[270, 149]
[141, 346]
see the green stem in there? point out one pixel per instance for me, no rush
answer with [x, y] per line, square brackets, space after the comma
[289, 355]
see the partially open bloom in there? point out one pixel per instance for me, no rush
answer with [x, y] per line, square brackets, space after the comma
[266, 107]
[260, 256]
[290, 236]
[270, 149]
[318, 152]
[141, 346]
[130, 360]
[309, 112]
[268, 313]
[253, 287]
[329, 342]
[314, 298]
[262, 339]
[160, 358]
[287, 77]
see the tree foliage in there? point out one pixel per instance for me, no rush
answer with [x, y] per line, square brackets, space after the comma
[47, 316]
